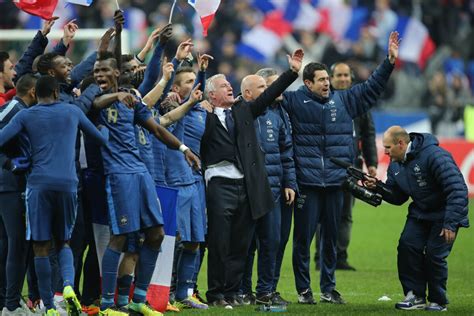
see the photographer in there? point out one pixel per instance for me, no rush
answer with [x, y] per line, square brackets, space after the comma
[420, 169]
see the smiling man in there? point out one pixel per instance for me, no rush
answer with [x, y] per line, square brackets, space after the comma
[323, 128]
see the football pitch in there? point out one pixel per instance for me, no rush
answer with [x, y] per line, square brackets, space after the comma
[373, 252]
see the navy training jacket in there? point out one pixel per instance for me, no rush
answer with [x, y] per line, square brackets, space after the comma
[434, 182]
[323, 128]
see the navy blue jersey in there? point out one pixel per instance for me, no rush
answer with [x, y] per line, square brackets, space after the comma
[194, 125]
[178, 171]
[121, 153]
[144, 148]
[159, 153]
[52, 130]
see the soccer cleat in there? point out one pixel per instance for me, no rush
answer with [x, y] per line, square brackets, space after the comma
[191, 302]
[73, 306]
[333, 297]
[199, 297]
[52, 312]
[435, 307]
[411, 302]
[143, 308]
[113, 311]
[171, 308]
[91, 309]
[306, 297]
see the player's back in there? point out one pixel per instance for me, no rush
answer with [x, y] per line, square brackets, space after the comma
[52, 130]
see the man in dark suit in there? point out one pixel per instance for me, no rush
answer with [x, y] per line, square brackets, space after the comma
[238, 191]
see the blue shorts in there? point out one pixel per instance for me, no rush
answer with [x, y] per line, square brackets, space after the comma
[201, 187]
[190, 220]
[132, 202]
[50, 214]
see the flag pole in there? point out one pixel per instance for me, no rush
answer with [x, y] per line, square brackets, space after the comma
[116, 2]
[172, 10]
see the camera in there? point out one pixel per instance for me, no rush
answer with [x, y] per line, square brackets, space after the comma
[360, 192]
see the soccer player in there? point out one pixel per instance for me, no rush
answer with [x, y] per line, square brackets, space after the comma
[132, 201]
[51, 194]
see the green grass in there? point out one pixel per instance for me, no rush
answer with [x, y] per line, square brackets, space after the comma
[373, 251]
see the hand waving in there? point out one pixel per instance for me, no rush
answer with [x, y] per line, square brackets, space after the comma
[393, 44]
[296, 60]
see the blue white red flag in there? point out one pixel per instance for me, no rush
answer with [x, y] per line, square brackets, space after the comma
[206, 9]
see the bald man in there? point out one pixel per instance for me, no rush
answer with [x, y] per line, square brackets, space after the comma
[421, 170]
[275, 141]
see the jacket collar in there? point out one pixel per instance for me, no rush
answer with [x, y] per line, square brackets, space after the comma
[313, 96]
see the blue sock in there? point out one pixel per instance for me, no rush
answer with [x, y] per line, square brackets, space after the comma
[66, 264]
[186, 269]
[146, 266]
[110, 263]
[124, 283]
[197, 267]
[43, 273]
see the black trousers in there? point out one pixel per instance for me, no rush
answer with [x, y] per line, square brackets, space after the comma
[230, 231]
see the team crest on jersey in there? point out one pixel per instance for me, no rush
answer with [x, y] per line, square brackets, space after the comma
[331, 102]
[123, 220]
[417, 169]
[420, 179]
[269, 122]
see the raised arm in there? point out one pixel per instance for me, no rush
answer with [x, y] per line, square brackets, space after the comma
[153, 69]
[361, 97]
[35, 48]
[278, 86]
[178, 113]
[155, 94]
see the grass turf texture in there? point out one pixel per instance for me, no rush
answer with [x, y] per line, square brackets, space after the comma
[373, 252]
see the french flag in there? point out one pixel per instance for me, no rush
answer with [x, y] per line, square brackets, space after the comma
[264, 40]
[158, 291]
[206, 9]
[416, 45]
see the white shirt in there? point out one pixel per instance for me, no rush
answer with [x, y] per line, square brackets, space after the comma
[407, 151]
[223, 168]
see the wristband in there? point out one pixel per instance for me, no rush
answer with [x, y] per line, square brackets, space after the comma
[162, 83]
[183, 148]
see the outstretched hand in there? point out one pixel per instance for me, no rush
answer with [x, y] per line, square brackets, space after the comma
[69, 31]
[296, 60]
[48, 24]
[105, 40]
[167, 69]
[393, 44]
[196, 94]
[184, 49]
[203, 61]
[165, 34]
[119, 20]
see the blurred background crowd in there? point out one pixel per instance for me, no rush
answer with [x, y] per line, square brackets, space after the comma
[436, 78]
